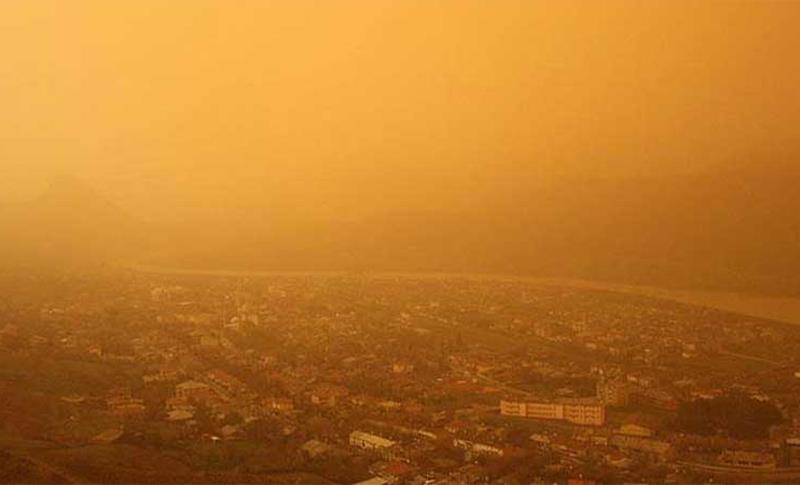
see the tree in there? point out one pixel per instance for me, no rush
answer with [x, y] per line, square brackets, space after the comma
[738, 415]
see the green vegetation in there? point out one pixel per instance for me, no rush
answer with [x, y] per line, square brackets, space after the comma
[739, 416]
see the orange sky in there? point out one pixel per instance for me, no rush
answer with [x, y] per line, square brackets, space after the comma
[190, 107]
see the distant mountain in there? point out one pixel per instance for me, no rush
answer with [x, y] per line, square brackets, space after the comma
[70, 224]
[733, 229]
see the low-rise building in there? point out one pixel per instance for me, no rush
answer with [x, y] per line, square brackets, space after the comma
[659, 449]
[279, 404]
[368, 441]
[402, 368]
[193, 390]
[748, 459]
[635, 430]
[477, 448]
[126, 407]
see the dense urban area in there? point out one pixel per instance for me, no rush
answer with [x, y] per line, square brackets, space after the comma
[124, 376]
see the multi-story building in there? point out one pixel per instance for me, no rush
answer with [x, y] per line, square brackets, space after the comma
[585, 414]
[590, 414]
[612, 392]
[544, 410]
[514, 408]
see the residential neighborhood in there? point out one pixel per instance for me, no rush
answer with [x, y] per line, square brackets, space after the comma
[345, 378]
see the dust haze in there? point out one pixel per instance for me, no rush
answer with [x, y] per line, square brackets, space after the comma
[520, 241]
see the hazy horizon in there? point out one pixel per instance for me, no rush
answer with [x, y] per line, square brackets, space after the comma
[399, 242]
[340, 109]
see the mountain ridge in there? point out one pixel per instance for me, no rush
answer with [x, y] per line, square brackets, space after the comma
[728, 229]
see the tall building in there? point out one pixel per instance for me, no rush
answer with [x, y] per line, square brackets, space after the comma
[612, 391]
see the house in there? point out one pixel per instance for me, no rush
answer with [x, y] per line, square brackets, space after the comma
[402, 368]
[328, 395]
[231, 432]
[163, 375]
[315, 448]
[226, 381]
[180, 415]
[108, 436]
[635, 430]
[374, 481]
[394, 471]
[471, 473]
[281, 405]
[126, 407]
[477, 448]
[193, 390]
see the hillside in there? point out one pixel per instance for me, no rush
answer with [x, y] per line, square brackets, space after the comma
[69, 225]
[732, 229]
[736, 229]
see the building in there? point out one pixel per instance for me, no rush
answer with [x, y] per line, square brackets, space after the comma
[315, 448]
[226, 381]
[790, 452]
[374, 481]
[612, 392]
[279, 404]
[514, 408]
[193, 390]
[539, 410]
[394, 471]
[580, 481]
[402, 368]
[748, 459]
[367, 441]
[635, 430]
[585, 414]
[108, 436]
[163, 375]
[176, 415]
[656, 448]
[588, 414]
[327, 395]
[656, 399]
[209, 341]
[126, 407]
[477, 449]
